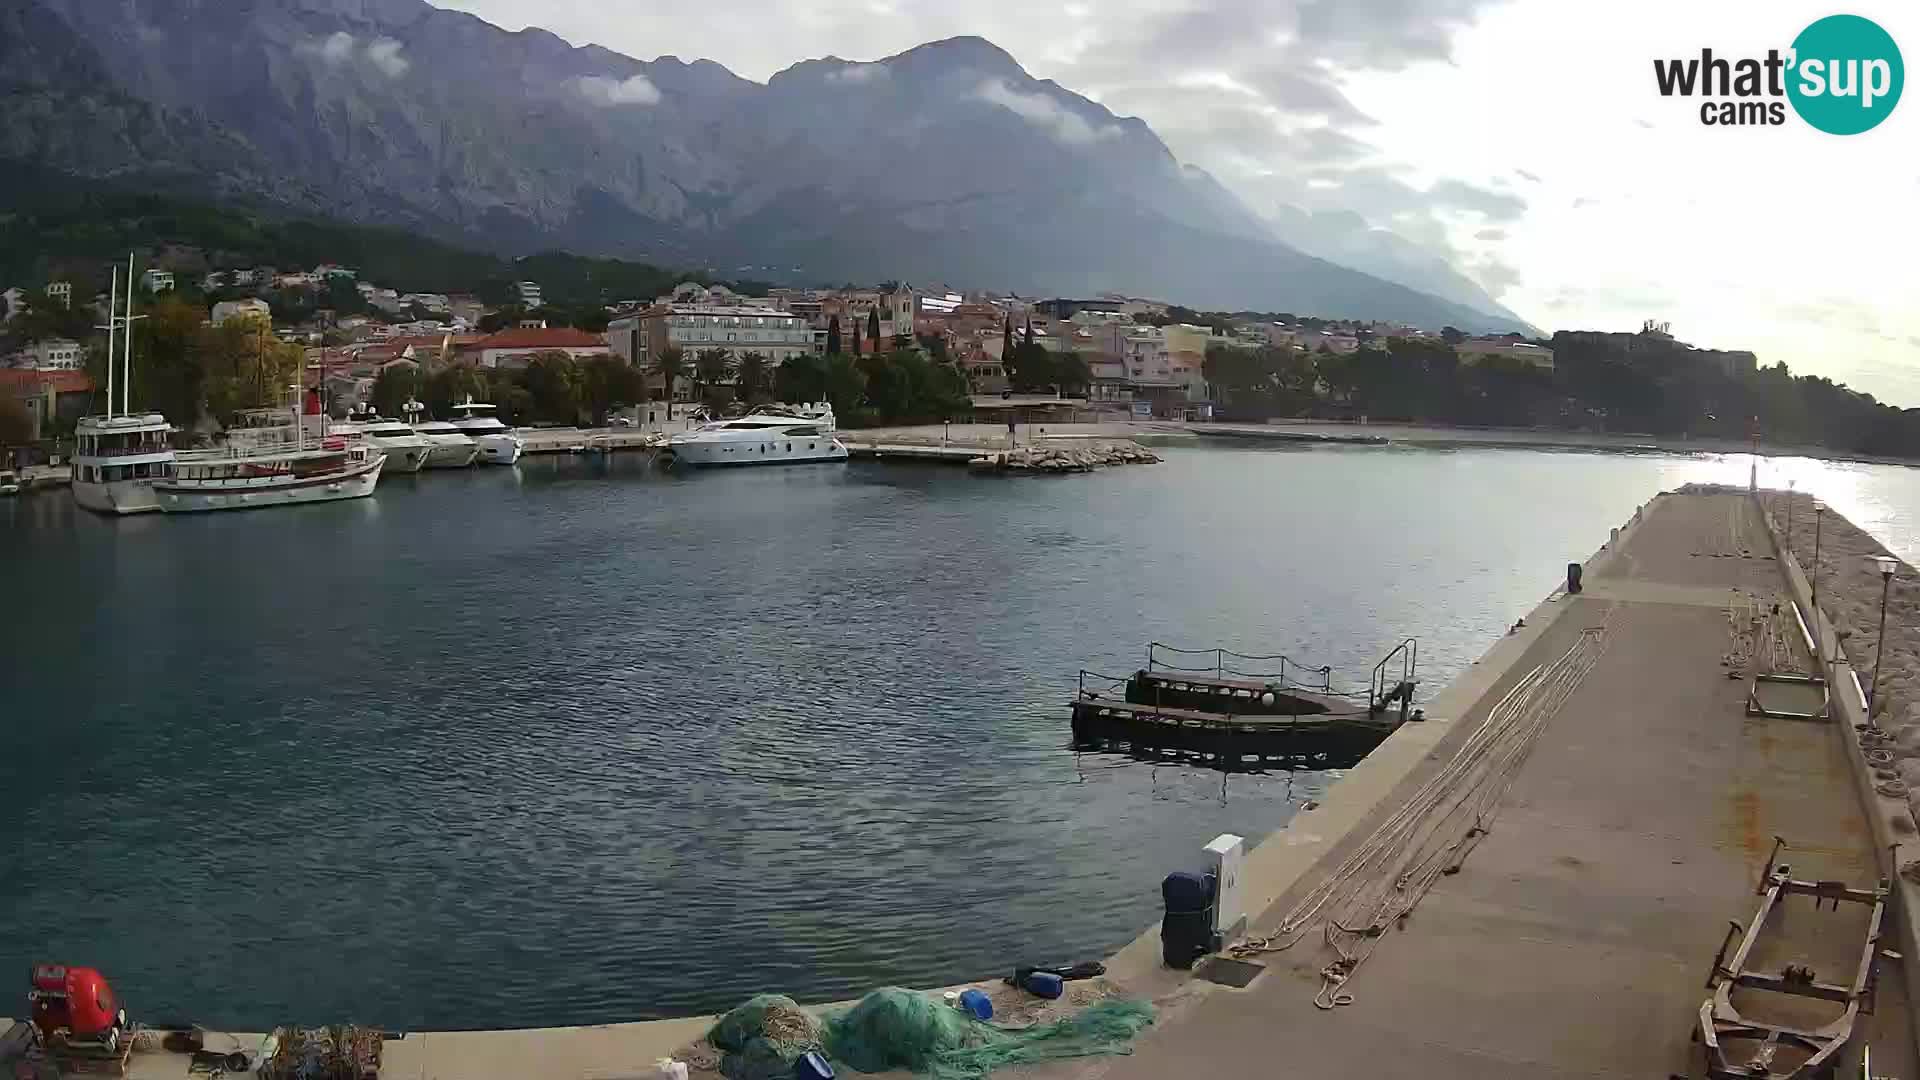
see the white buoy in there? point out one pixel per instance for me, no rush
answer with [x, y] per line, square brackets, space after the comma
[1266, 698]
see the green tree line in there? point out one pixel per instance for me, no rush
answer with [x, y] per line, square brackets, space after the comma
[1655, 389]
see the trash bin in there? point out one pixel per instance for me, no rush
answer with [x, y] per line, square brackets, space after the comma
[1573, 577]
[1186, 928]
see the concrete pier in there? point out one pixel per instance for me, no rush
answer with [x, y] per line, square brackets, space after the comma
[1577, 933]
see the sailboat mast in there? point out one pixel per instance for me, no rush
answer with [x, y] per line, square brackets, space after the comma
[113, 304]
[126, 381]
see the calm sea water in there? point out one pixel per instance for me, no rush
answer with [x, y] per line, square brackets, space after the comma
[574, 742]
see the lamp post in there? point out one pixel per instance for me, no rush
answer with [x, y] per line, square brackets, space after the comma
[1789, 515]
[1886, 564]
[1819, 511]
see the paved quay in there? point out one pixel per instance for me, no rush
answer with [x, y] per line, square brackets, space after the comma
[1575, 938]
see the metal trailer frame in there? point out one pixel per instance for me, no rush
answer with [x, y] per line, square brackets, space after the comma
[1754, 708]
[1720, 1020]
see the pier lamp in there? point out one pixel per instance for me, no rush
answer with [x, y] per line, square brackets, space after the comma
[1887, 565]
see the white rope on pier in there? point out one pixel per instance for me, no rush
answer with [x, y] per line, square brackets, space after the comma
[1430, 835]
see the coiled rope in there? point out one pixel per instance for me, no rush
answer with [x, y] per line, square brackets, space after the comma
[1432, 833]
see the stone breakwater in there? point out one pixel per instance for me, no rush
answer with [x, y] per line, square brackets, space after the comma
[1066, 459]
[1849, 587]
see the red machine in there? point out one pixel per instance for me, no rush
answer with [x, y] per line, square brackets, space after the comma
[74, 1009]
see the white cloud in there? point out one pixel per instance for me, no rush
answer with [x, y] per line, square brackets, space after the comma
[339, 48]
[335, 48]
[1045, 113]
[858, 73]
[607, 93]
[385, 55]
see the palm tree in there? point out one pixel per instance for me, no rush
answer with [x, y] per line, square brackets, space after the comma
[670, 365]
[712, 367]
[752, 375]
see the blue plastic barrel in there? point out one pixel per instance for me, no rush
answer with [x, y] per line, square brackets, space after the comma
[811, 1066]
[1045, 984]
[977, 1005]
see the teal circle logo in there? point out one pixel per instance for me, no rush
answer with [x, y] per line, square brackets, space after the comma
[1846, 74]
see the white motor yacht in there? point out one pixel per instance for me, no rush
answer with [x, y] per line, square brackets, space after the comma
[449, 448]
[406, 449]
[497, 442]
[757, 439]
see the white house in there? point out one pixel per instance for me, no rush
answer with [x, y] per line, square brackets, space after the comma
[529, 293]
[53, 354]
[250, 308]
[60, 292]
[16, 300]
[157, 281]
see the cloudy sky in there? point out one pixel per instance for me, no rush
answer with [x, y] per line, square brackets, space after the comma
[1523, 140]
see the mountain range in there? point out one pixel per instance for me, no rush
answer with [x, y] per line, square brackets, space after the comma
[945, 163]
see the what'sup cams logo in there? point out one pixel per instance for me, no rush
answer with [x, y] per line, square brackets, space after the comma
[1843, 75]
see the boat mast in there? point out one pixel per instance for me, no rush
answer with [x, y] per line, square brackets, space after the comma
[113, 314]
[126, 375]
[126, 381]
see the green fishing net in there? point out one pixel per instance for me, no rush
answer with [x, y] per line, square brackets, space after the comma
[762, 1037]
[901, 1029]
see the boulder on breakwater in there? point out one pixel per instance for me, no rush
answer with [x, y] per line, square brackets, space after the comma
[1061, 459]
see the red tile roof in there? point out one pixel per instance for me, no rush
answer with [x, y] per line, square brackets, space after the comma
[63, 382]
[560, 337]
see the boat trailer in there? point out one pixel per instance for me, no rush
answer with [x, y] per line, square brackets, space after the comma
[1721, 1022]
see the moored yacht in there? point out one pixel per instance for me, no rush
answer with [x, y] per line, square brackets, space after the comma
[757, 439]
[271, 460]
[406, 448]
[117, 461]
[497, 442]
[449, 447]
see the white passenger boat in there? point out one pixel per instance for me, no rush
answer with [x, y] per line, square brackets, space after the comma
[118, 459]
[497, 442]
[758, 439]
[271, 459]
[236, 479]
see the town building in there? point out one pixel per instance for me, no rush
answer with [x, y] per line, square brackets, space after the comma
[249, 308]
[16, 302]
[48, 396]
[528, 293]
[641, 337]
[53, 354]
[157, 281]
[61, 292]
[514, 348]
[1476, 350]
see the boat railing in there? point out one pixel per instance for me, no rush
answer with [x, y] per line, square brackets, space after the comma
[1291, 672]
[1380, 693]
